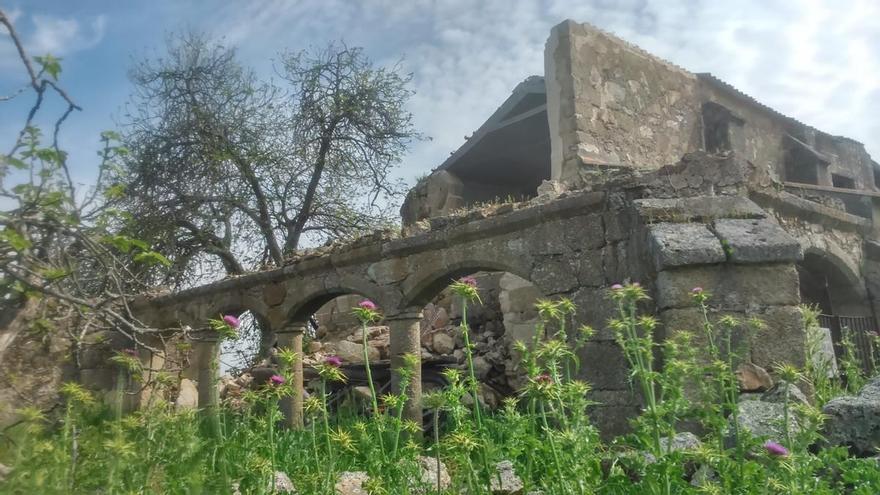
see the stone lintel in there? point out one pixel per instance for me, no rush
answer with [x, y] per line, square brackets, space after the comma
[697, 208]
[682, 244]
[757, 241]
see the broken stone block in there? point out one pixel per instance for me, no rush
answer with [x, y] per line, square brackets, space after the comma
[854, 421]
[753, 378]
[350, 352]
[757, 241]
[778, 391]
[505, 481]
[763, 419]
[443, 343]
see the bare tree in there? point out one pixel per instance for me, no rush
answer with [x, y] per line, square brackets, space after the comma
[226, 167]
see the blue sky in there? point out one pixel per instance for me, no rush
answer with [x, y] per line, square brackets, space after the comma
[815, 60]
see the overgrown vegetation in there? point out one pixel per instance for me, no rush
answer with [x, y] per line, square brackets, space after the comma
[544, 431]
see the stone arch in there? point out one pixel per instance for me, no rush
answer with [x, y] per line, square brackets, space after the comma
[312, 298]
[429, 283]
[844, 291]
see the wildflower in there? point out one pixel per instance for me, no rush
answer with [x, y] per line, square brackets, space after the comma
[367, 312]
[334, 361]
[232, 321]
[776, 449]
[277, 380]
[696, 290]
[130, 352]
[543, 378]
[466, 288]
[616, 287]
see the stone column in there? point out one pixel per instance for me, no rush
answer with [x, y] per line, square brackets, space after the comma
[406, 339]
[151, 364]
[206, 361]
[291, 337]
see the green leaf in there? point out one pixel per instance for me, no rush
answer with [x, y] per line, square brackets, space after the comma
[152, 258]
[15, 162]
[16, 240]
[50, 65]
[115, 191]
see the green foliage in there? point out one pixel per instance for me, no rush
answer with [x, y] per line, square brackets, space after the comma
[50, 65]
[544, 431]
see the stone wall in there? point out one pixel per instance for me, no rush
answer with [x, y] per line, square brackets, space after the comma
[608, 102]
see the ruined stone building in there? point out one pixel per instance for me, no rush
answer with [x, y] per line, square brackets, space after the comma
[614, 165]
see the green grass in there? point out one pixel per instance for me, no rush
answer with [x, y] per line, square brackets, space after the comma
[544, 432]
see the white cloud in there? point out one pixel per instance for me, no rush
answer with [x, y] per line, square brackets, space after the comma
[816, 61]
[60, 36]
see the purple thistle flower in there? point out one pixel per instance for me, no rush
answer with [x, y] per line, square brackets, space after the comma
[334, 361]
[469, 281]
[543, 378]
[277, 380]
[616, 287]
[636, 284]
[697, 290]
[776, 449]
[232, 321]
[367, 304]
[130, 352]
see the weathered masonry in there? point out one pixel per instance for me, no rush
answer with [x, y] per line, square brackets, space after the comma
[615, 165]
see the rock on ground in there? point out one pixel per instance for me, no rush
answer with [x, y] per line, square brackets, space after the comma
[854, 421]
[681, 441]
[282, 483]
[429, 472]
[764, 419]
[777, 394]
[505, 481]
[753, 378]
[351, 483]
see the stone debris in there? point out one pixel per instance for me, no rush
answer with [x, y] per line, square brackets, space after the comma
[753, 378]
[763, 419]
[430, 473]
[854, 421]
[777, 394]
[4, 471]
[681, 441]
[351, 483]
[505, 481]
[282, 483]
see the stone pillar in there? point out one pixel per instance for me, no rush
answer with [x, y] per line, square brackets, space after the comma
[151, 364]
[206, 361]
[406, 339]
[291, 337]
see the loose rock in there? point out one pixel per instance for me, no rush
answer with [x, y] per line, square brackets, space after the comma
[505, 482]
[430, 473]
[777, 394]
[854, 421]
[351, 483]
[282, 483]
[753, 378]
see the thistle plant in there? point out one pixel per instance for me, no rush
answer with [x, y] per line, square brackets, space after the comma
[366, 313]
[635, 336]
